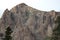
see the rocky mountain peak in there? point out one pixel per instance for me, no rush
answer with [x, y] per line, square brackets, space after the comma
[23, 4]
[19, 7]
[28, 23]
[6, 11]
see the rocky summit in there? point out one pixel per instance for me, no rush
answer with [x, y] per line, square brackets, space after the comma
[28, 23]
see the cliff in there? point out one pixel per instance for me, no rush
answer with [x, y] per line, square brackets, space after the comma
[28, 23]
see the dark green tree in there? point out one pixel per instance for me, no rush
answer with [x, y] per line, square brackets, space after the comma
[56, 31]
[8, 34]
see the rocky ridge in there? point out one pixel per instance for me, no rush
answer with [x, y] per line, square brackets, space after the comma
[28, 23]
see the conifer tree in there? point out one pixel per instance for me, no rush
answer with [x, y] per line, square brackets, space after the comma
[8, 34]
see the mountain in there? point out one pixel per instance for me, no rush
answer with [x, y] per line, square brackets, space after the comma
[28, 23]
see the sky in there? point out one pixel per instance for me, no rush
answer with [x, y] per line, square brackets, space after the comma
[45, 5]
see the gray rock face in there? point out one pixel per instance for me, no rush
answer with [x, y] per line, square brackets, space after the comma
[28, 23]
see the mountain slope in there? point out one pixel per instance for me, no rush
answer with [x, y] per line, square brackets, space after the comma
[28, 23]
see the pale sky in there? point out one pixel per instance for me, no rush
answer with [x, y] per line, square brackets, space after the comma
[45, 5]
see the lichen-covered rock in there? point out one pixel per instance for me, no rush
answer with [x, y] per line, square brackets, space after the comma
[28, 23]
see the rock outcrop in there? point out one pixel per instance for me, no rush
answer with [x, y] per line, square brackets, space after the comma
[28, 23]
